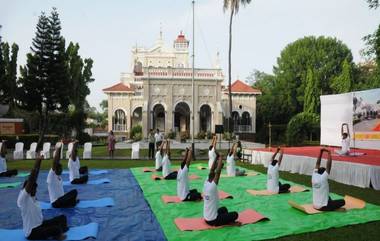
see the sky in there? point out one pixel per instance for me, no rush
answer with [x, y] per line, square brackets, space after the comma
[107, 30]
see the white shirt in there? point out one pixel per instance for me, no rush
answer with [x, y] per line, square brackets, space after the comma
[320, 189]
[73, 169]
[183, 182]
[55, 186]
[211, 157]
[273, 178]
[30, 212]
[211, 201]
[231, 169]
[345, 145]
[158, 160]
[158, 137]
[165, 165]
[3, 165]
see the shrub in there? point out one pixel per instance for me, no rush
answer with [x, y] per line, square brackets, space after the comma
[136, 129]
[209, 135]
[27, 139]
[83, 138]
[301, 126]
[171, 134]
[201, 135]
[227, 136]
[184, 136]
[137, 136]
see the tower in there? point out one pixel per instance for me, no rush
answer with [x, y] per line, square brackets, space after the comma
[181, 51]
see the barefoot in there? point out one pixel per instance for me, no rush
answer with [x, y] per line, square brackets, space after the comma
[237, 224]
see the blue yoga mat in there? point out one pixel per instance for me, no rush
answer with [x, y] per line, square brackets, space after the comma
[93, 182]
[74, 233]
[97, 203]
[92, 172]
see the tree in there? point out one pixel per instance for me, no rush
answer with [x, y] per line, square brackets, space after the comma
[233, 6]
[343, 83]
[44, 78]
[373, 3]
[312, 90]
[80, 76]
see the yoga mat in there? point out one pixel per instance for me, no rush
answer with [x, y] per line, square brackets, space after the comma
[23, 174]
[10, 185]
[197, 224]
[176, 199]
[157, 177]
[92, 172]
[74, 233]
[351, 203]
[293, 189]
[149, 170]
[92, 182]
[97, 203]
[287, 221]
[248, 174]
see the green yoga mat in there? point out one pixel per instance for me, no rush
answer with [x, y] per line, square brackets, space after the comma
[9, 185]
[22, 174]
[284, 220]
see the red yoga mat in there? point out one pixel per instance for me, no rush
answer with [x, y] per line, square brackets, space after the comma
[197, 224]
[176, 199]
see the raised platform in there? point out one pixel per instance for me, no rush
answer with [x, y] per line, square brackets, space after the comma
[361, 171]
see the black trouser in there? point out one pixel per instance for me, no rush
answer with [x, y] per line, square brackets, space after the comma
[158, 144]
[151, 150]
[333, 205]
[224, 217]
[283, 188]
[66, 201]
[159, 169]
[193, 195]
[51, 228]
[83, 170]
[9, 173]
[83, 179]
[172, 176]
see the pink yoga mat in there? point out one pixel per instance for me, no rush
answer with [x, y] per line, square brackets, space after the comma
[196, 224]
[176, 199]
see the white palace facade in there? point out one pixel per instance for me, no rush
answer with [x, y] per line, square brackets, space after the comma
[158, 94]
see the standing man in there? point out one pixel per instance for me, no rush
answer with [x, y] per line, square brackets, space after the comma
[151, 140]
[158, 139]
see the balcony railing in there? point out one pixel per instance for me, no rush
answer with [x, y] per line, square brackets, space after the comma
[119, 127]
[182, 73]
[243, 129]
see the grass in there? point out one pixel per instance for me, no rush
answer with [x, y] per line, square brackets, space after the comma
[367, 231]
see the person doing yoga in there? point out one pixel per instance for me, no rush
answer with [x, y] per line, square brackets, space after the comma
[166, 163]
[273, 183]
[212, 152]
[75, 170]
[3, 163]
[232, 171]
[159, 155]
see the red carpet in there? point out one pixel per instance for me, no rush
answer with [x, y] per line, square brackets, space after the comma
[377, 128]
[371, 157]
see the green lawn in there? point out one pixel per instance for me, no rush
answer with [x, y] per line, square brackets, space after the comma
[368, 231]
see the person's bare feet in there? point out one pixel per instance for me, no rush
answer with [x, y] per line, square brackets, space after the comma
[236, 224]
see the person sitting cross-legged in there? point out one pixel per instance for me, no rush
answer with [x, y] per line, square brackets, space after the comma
[232, 171]
[212, 214]
[273, 183]
[159, 155]
[183, 180]
[75, 170]
[166, 165]
[3, 163]
[320, 182]
[212, 152]
[35, 228]
[58, 198]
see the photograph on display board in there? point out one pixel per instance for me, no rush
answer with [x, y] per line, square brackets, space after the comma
[366, 114]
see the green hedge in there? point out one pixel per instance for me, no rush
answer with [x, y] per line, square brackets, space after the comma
[27, 139]
[302, 126]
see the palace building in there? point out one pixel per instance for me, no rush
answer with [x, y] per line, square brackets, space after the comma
[158, 94]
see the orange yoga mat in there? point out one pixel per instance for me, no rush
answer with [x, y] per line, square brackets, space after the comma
[196, 224]
[293, 189]
[176, 199]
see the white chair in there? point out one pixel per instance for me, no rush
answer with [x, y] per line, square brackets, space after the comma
[135, 150]
[57, 145]
[1, 144]
[87, 150]
[31, 153]
[46, 150]
[69, 149]
[19, 151]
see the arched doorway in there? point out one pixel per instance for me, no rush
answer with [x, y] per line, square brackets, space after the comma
[159, 117]
[182, 117]
[246, 122]
[205, 118]
[235, 120]
[137, 117]
[119, 122]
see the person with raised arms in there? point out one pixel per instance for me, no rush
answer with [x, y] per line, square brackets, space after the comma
[212, 152]
[159, 155]
[345, 150]
[58, 198]
[273, 183]
[320, 183]
[75, 170]
[183, 180]
[3, 163]
[212, 214]
[232, 171]
[35, 228]
[166, 165]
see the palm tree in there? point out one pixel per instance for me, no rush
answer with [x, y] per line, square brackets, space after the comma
[233, 6]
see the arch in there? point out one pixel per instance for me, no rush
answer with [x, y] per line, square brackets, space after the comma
[245, 118]
[158, 117]
[205, 120]
[136, 118]
[119, 120]
[182, 117]
[159, 102]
